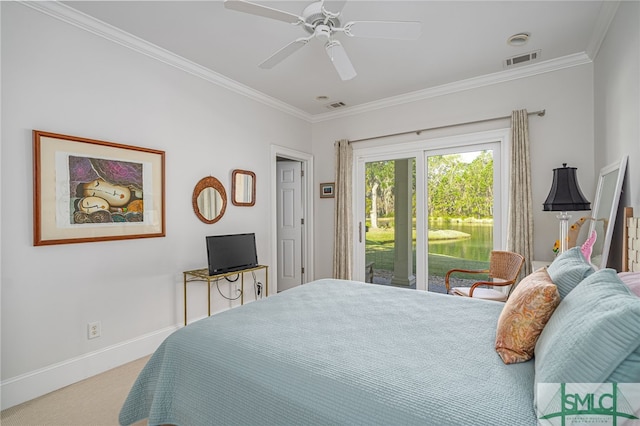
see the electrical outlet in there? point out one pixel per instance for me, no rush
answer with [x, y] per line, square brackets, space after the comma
[93, 330]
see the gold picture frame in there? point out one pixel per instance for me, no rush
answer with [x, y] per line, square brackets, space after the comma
[87, 190]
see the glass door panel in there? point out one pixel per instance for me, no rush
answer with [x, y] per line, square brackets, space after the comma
[390, 222]
[460, 208]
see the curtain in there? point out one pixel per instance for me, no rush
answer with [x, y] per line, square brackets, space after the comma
[343, 230]
[520, 218]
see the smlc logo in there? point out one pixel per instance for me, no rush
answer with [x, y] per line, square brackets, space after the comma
[588, 403]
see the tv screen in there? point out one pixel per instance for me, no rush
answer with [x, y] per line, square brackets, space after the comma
[228, 253]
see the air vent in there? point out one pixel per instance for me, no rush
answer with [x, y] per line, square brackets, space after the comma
[334, 105]
[522, 59]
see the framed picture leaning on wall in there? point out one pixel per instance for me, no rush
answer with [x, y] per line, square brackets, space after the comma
[88, 190]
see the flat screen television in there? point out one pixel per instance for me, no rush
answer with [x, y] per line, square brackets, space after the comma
[228, 253]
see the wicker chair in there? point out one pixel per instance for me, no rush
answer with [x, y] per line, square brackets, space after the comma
[504, 268]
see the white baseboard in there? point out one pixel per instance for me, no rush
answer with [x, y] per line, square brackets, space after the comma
[36, 383]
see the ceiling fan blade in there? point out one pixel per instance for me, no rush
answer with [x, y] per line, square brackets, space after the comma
[284, 53]
[267, 12]
[400, 30]
[334, 7]
[340, 60]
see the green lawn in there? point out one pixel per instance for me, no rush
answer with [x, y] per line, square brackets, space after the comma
[380, 250]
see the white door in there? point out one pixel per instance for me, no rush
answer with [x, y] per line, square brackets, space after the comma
[290, 223]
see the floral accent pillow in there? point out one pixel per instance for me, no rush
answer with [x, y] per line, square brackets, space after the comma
[524, 315]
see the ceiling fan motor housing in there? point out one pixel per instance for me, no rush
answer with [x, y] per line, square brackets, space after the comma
[314, 17]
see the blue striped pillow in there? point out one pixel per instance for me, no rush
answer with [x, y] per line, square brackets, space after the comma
[593, 336]
[568, 270]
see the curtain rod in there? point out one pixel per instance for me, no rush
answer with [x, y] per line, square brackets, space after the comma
[540, 113]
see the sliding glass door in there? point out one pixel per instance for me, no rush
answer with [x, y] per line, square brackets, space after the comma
[426, 208]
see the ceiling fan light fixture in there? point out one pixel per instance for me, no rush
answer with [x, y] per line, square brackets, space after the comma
[322, 32]
[519, 39]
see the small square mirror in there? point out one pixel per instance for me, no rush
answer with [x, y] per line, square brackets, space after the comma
[243, 188]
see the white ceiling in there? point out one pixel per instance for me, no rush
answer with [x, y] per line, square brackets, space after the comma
[460, 40]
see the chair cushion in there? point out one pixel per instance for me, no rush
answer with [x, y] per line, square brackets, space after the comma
[593, 336]
[481, 293]
[524, 316]
[568, 270]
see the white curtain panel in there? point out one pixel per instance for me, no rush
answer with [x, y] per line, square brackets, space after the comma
[520, 220]
[343, 231]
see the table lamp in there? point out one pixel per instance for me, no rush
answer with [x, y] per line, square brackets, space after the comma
[565, 195]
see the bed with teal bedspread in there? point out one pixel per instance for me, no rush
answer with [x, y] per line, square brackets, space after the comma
[337, 352]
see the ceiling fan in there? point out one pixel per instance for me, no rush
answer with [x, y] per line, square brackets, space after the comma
[321, 19]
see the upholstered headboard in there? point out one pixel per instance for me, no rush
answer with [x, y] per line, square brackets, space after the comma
[631, 242]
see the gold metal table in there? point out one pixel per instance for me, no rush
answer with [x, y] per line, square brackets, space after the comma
[203, 275]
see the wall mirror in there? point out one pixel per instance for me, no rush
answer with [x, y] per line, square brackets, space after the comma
[209, 200]
[243, 188]
[605, 208]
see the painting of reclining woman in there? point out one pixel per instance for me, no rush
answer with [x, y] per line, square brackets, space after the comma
[105, 190]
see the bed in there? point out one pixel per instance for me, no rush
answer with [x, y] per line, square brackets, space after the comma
[343, 352]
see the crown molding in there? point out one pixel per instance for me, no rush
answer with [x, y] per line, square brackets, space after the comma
[85, 22]
[74, 17]
[462, 85]
[605, 17]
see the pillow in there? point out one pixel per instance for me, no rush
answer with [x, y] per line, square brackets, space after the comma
[568, 269]
[632, 280]
[593, 336]
[524, 316]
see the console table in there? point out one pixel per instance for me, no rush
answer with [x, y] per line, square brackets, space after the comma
[203, 275]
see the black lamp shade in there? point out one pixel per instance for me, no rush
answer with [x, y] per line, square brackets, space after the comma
[565, 194]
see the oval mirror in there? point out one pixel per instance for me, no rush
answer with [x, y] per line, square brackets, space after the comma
[209, 200]
[243, 188]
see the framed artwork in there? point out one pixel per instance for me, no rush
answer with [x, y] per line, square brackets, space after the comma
[87, 190]
[327, 190]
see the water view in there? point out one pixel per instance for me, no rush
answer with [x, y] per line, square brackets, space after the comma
[477, 247]
[471, 252]
[467, 253]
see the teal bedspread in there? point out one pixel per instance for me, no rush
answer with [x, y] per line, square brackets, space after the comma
[337, 353]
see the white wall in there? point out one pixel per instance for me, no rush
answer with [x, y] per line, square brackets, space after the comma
[58, 78]
[617, 107]
[565, 134]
